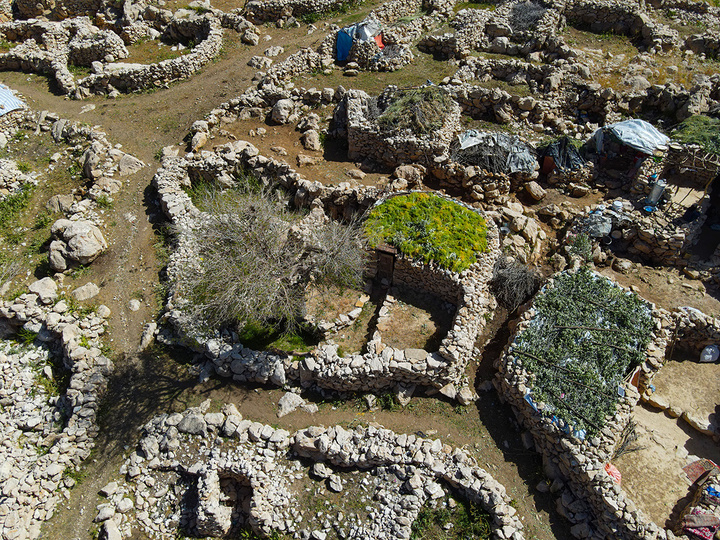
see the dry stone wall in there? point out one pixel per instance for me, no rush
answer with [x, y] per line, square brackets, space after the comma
[589, 497]
[34, 480]
[251, 478]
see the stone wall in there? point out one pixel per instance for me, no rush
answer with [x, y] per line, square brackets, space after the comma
[626, 18]
[367, 140]
[589, 497]
[262, 11]
[268, 465]
[50, 47]
[134, 77]
[34, 482]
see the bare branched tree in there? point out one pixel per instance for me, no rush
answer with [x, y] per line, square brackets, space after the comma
[513, 283]
[254, 264]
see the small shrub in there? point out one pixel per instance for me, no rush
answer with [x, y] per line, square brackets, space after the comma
[24, 167]
[581, 246]
[513, 283]
[104, 202]
[26, 337]
[422, 110]
[701, 130]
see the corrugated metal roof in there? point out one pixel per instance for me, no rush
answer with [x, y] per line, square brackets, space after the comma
[8, 101]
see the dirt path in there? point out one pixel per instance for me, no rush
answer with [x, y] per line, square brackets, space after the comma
[143, 124]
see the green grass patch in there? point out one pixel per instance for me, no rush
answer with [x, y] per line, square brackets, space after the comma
[429, 228]
[262, 337]
[468, 520]
[587, 336]
[701, 130]
[12, 205]
[341, 8]
[421, 110]
[475, 5]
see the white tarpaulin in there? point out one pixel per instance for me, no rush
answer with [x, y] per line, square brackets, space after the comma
[8, 101]
[639, 135]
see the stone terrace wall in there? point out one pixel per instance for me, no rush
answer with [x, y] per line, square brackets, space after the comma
[261, 11]
[36, 484]
[366, 140]
[624, 18]
[696, 330]
[54, 9]
[599, 508]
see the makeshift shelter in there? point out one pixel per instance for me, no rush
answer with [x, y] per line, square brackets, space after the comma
[636, 134]
[362, 31]
[8, 101]
[561, 155]
[495, 152]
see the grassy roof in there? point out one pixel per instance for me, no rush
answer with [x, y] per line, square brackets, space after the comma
[422, 110]
[701, 130]
[430, 228]
[588, 334]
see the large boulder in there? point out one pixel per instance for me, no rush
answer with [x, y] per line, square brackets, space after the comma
[78, 241]
[282, 111]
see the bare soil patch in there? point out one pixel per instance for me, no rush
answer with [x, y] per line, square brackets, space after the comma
[283, 143]
[352, 339]
[327, 304]
[417, 320]
[690, 385]
[653, 475]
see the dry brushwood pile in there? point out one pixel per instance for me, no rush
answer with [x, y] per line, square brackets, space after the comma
[321, 270]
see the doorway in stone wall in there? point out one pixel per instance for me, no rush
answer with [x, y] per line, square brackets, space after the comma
[385, 262]
[709, 238]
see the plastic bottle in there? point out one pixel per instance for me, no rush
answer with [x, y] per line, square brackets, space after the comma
[656, 192]
[710, 354]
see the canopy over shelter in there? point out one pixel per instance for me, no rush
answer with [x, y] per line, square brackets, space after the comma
[362, 31]
[637, 134]
[8, 101]
[495, 152]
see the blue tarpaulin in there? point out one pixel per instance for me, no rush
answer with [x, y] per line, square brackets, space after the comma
[344, 43]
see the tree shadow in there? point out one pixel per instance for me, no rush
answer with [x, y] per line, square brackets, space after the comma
[140, 387]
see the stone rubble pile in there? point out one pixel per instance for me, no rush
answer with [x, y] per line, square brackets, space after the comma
[12, 180]
[46, 435]
[250, 475]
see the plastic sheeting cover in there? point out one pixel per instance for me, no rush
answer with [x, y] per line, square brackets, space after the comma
[639, 135]
[565, 155]
[497, 151]
[362, 31]
[8, 101]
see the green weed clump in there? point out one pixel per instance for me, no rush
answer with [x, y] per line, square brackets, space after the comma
[12, 205]
[421, 110]
[587, 336]
[469, 520]
[429, 228]
[701, 130]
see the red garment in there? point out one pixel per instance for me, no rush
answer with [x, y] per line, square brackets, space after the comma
[379, 41]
